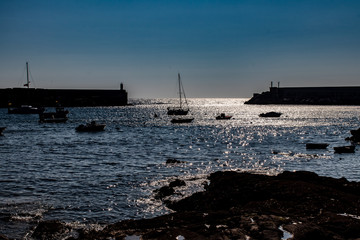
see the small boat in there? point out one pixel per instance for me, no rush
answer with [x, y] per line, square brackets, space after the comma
[2, 130]
[180, 110]
[344, 149]
[59, 116]
[90, 127]
[270, 114]
[182, 120]
[222, 116]
[25, 109]
[316, 145]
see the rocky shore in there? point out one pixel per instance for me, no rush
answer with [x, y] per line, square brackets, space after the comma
[291, 205]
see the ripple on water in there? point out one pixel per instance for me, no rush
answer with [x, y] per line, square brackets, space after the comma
[111, 175]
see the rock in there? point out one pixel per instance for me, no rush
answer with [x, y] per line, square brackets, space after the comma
[164, 191]
[247, 206]
[355, 136]
[310, 232]
[177, 183]
[51, 229]
[2, 237]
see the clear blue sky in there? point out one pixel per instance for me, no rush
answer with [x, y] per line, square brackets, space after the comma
[221, 48]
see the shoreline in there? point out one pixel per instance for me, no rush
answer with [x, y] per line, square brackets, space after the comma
[237, 205]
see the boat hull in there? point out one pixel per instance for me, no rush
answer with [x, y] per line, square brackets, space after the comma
[59, 116]
[223, 117]
[270, 114]
[344, 149]
[182, 120]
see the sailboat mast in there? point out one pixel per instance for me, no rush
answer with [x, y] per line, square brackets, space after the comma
[27, 75]
[179, 88]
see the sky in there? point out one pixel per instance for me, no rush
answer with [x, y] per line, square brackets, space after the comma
[221, 48]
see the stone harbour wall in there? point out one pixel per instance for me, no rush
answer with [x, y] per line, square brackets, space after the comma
[64, 97]
[308, 95]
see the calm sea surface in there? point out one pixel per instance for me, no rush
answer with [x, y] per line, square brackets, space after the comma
[49, 171]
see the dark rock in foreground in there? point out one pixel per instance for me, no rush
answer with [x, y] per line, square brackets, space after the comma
[250, 206]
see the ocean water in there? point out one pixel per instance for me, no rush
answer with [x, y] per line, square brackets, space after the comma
[50, 171]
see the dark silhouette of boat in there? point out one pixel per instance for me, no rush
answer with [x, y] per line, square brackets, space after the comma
[177, 111]
[181, 110]
[222, 116]
[25, 109]
[316, 145]
[270, 114]
[91, 127]
[182, 120]
[2, 130]
[344, 149]
[59, 116]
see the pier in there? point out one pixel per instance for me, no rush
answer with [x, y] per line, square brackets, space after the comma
[64, 97]
[308, 95]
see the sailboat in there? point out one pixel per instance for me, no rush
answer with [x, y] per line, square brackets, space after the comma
[25, 109]
[181, 110]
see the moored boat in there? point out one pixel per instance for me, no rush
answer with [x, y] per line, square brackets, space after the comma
[177, 111]
[90, 127]
[181, 109]
[25, 109]
[222, 116]
[59, 116]
[271, 114]
[344, 149]
[182, 120]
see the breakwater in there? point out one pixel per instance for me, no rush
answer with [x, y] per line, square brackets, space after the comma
[308, 95]
[65, 97]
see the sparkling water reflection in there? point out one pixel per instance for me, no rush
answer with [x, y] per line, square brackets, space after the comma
[50, 171]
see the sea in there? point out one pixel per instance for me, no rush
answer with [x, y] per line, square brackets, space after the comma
[49, 171]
